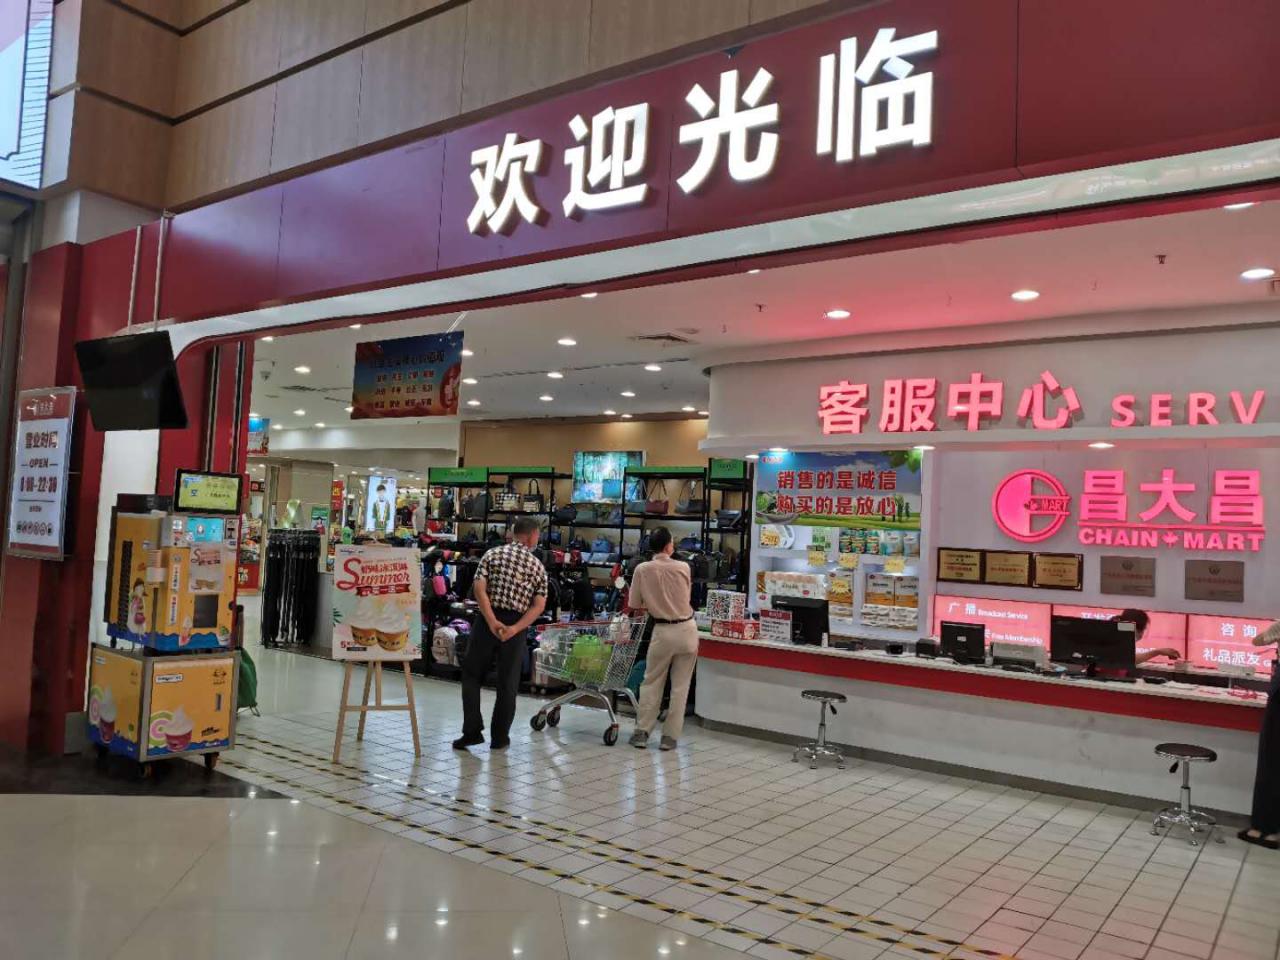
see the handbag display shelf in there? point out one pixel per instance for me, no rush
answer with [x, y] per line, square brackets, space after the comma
[727, 529]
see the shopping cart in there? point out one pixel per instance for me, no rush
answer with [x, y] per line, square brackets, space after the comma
[596, 657]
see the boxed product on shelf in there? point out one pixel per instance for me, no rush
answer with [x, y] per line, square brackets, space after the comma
[735, 629]
[904, 618]
[879, 590]
[875, 615]
[726, 605]
[906, 592]
[840, 594]
[781, 583]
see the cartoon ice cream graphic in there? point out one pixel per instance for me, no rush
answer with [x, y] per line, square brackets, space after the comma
[177, 732]
[107, 716]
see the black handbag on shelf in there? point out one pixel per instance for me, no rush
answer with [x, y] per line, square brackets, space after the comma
[475, 506]
[689, 504]
[532, 501]
[565, 514]
[729, 520]
[445, 508]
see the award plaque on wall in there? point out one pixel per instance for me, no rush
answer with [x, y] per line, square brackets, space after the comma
[1007, 568]
[1059, 571]
[959, 566]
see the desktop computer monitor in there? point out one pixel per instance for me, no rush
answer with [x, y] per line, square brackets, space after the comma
[1093, 644]
[808, 618]
[964, 642]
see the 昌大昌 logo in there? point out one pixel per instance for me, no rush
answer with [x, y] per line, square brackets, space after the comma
[1030, 505]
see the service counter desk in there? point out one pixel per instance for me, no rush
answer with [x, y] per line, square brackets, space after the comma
[1082, 733]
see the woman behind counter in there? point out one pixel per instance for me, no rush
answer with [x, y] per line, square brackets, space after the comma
[1264, 822]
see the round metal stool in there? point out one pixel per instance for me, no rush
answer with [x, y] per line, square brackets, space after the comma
[1185, 815]
[820, 748]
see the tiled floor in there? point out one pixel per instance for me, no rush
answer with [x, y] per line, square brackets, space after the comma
[722, 846]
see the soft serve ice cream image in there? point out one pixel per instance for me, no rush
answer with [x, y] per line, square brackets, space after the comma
[392, 626]
[364, 622]
[177, 732]
[377, 603]
[107, 716]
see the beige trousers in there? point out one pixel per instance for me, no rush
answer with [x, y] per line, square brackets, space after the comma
[674, 648]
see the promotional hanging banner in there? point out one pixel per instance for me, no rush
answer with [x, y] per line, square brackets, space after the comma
[407, 377]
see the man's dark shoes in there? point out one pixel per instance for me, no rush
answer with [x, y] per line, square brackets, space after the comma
[500, 744]
[463, 742]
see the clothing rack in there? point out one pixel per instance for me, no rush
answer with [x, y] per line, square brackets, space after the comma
[290, 587]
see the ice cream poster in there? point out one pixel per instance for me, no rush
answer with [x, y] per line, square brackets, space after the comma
[377, 603]
[192, 701]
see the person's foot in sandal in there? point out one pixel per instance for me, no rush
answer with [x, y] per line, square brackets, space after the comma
[1252, 835]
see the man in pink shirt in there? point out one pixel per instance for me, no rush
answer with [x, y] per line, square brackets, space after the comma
[662, 588]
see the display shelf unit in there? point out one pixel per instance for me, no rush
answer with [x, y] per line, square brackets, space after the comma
[733, 480]
[675, 480]
[458, 479]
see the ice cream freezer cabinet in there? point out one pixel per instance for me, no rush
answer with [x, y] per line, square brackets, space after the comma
[148, 707]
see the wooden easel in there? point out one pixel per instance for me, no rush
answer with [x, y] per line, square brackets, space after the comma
[373, 677]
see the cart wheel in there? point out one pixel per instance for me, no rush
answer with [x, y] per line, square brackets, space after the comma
[553, 718]
[210, 761]
[611, 736]
[101, 752]
[145, 772]
[538, 721]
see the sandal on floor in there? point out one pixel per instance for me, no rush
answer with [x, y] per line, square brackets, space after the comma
[1259, 840]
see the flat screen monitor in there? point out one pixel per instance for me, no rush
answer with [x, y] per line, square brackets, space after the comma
[199, 492]
[1164, 631]
[964, 642]
[598, 475]
[1093, 644]
[131, 383]
[1007, 621]
[809, 620]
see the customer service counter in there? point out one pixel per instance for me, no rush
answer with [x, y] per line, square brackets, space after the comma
[1084, 733]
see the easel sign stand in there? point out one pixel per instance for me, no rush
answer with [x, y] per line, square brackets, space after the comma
[377, 619]
[373, 678]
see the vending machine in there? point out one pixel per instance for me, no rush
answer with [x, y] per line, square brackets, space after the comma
[166, 684]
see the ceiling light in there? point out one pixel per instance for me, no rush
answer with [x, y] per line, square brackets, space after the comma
[628, 393]
[1025, 296]
[688, 409]
[611, 413]
[468, 353]
[1258, 273]
[664, 951]
[567, 342]
[838, 314]
[704, 413]
[626, 416]
[778, 450]
[922, 447]
[470, 381]
[754, 270]
[319, 426]
[268, 339]
[1101, 445]
[299, 413]
[473, 403]
[653, 367]
[555, 375]
[442, 921]
[1245, 205]
[546, 398]
[753, 456]
[356, 326]
[277, 426]
[349, 409]
[589, 296]
[301, 369]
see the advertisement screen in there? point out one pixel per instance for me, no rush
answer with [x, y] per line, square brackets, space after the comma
[1007, 621]
[207, 492]
[597, 475]
[1165, 630]
[1214, 641]
[380, 505]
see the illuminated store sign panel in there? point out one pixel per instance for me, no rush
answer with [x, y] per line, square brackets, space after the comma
[26, 41]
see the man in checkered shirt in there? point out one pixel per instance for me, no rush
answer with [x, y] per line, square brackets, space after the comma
[511, 589]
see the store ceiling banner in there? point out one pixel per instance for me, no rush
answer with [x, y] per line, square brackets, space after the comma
[1044, 390]
[872, 490]
[407, 377]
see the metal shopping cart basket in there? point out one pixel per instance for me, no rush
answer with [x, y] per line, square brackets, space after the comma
[596, 657]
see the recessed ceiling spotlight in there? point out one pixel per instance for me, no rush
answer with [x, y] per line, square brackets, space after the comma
[356, 326]
[611, 413]
[1258, 273]
[590, 295]
[628, 393]
[626, 416]
[754, 270]
[470, 381]
[299, 413]
[838, 314]
[567, 342]
[704, 413]
[349, 409]
[473, 403]
[778, 450]
[268, 339]
[302, 369]
[546, 398]
[468, 353]
[319, 426]
[752, 456]
[653, 367]
[922, 447]
[1244, 205]
[1101, 445]
[556, 375]
[252, 414]
[1025, 296]
[688, 409]
[277, 426]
